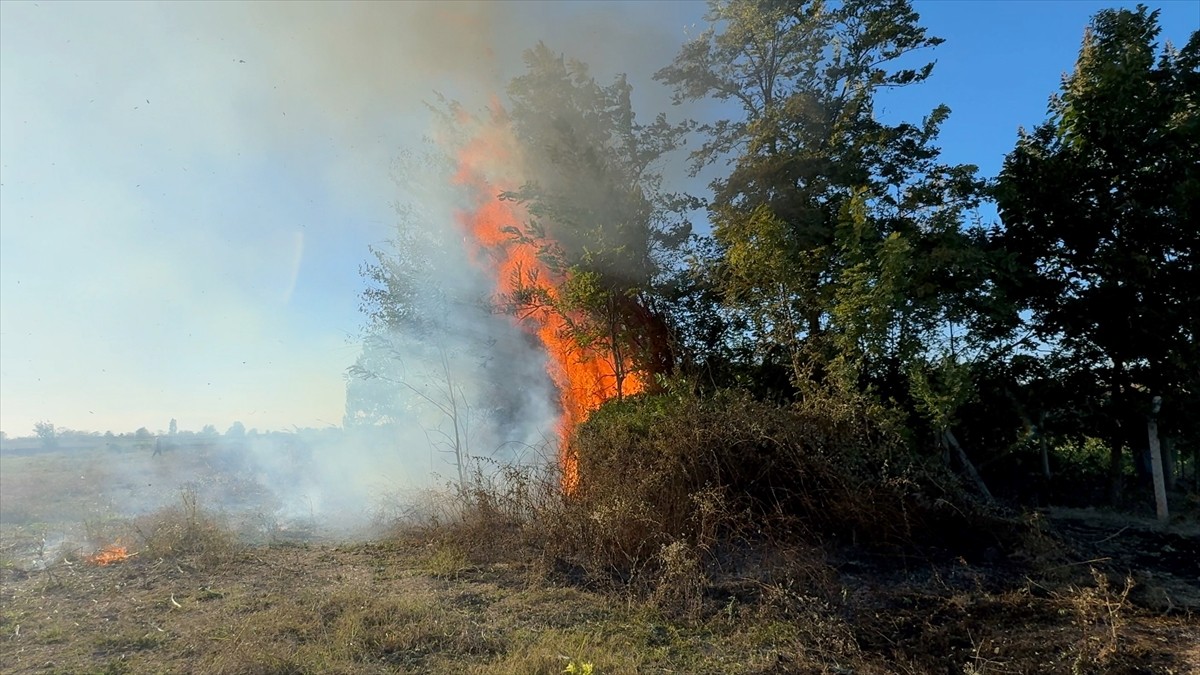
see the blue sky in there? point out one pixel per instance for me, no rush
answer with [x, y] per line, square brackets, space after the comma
[187, 190]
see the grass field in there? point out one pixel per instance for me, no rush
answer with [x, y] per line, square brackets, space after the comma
[249, 589]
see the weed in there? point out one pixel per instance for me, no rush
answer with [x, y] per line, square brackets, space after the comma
[185, 530]
[128, 641]
[1099, 613]
[681, 582]
[447, 561]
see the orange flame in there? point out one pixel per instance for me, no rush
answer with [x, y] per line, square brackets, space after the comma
[108, 555]
[584, 376]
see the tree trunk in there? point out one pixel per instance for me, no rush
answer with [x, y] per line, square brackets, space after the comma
[952, 442]
[1117, 440]
[1156, 463]
[617, 357]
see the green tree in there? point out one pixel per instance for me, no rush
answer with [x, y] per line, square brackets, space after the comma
[1099, 211]
[840, 239]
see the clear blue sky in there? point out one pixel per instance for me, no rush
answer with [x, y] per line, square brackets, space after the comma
[187, 190]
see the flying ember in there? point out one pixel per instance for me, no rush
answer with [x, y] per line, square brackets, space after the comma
[584, 376]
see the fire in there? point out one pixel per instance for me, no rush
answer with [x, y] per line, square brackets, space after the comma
[585, 377]
[109, 554]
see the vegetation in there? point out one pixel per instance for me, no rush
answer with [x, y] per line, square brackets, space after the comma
[1099, 209]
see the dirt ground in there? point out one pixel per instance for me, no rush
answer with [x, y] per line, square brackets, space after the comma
[1102, 593]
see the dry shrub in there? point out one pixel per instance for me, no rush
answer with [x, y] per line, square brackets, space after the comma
[1100, 615]
[681, 581]
[185, 530]
[502, 513]
[721, 472]
[680, 493]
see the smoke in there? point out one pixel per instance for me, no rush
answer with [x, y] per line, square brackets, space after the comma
[213, 173]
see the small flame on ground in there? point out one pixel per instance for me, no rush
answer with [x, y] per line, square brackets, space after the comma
[108, 555]
[584, 376]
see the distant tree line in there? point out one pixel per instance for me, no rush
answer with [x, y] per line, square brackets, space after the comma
[50, 436]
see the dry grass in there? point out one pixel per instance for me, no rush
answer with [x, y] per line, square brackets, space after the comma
[184, 530]
[1100, 613]
[500, 577]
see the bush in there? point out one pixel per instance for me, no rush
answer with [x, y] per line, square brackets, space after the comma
[185, 530]
[692, 500]
[728, 469]
[501, 513]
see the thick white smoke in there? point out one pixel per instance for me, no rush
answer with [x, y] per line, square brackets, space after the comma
[220, 170]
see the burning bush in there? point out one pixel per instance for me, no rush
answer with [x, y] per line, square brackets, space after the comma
[682, 495]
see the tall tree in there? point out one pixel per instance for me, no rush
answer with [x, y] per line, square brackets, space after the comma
[1099, 210]
[839, 234]
[597, 207]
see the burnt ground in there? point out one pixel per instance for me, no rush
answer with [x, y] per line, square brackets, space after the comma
[1103, 592]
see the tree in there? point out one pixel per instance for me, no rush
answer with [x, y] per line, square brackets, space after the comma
[435, 354]
[839, 236]
[237, 430]
[1099, 212]
[394, 382]
[143, 436]
[373, 399]
[598, 213]
[173, 428]
[46, 432]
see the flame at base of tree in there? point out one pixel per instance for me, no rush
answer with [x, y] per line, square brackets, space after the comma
[109, 555]
[585, 376]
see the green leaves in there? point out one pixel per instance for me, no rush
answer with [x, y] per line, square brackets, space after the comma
[1099, 210]
[599, 218]
[826, 210]
[1098, 203]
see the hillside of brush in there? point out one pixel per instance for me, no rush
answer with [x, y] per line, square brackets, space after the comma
[708, 534]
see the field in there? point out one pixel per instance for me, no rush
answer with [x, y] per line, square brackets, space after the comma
[254, 586]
